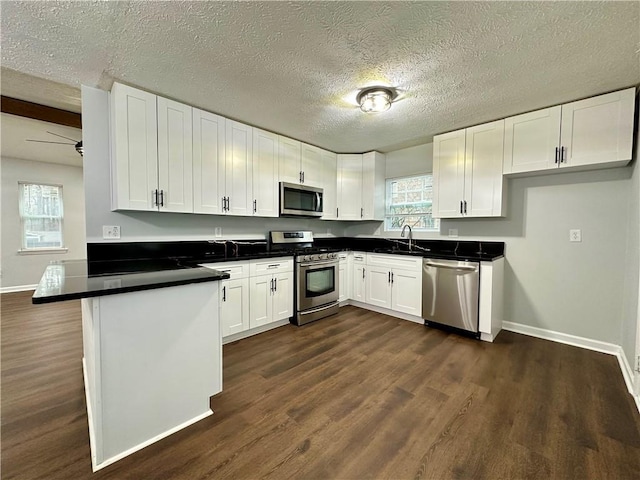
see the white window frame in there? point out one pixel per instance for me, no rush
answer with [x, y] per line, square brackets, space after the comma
[24, 249]
[388, 215]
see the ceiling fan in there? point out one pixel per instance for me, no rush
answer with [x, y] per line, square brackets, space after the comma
[78, 145]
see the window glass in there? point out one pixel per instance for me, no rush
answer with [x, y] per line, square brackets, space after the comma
[409, 202]
[41, 216]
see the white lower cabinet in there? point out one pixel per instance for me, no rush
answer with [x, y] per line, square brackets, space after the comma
[234, 306]
[394, 282]
[258, 293]
[344, 277]
[358, 278]
[271, 291]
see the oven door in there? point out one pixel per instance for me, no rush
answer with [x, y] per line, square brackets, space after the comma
[317, 284]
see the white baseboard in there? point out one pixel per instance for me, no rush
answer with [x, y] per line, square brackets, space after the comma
[582, 342]
[18, 288]
[254, 331]
[386, 311]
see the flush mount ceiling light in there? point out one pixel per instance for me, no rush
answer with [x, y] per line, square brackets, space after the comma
[376, 99]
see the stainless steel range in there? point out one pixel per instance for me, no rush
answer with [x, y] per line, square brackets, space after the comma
[316, 275]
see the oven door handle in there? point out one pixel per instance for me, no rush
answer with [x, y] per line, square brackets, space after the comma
[320, 264]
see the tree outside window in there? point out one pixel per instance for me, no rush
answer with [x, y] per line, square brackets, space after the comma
[409, 202]
[41, 216]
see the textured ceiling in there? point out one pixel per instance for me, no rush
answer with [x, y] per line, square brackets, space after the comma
[16, 131]
[294, 67]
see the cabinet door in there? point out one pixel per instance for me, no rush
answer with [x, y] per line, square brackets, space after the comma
[448, 174]
[373, 184]
[406, 291]
[234, 306]
[282, 296]
[483, 181]
[238, 175]
[378, 286]
[342, 280]
[311, 165]
[359, 283]
[330, 185]
[598, 129]
[265, 174]
[260, 300]
[135, 147]
[289, 153]
[531, 140]
[175, 156]
[208, 162]
[350, 187]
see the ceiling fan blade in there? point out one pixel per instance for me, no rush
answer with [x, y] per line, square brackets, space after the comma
[46, 141]
[61, 136]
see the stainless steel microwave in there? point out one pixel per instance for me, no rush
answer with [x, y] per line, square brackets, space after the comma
[300, 200]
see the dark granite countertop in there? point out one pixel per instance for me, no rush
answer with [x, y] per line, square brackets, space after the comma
[70, 280]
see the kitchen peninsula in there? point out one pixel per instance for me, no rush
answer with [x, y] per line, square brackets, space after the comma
[152, 348]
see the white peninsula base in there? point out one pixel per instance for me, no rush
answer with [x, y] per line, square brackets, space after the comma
[152, 359]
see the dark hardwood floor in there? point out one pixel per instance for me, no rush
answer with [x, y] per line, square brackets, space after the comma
[358, 395]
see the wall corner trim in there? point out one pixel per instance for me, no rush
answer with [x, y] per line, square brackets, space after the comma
[582, 342]
[18, 288]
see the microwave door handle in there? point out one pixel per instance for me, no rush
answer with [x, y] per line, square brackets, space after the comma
[318, 200]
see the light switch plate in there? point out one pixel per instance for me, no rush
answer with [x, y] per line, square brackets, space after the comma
[575, 235]
[218, 232]
[110, 231]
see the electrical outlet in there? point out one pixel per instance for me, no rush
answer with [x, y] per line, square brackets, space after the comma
[110, 231]
[218, 232]
[453, 232]
[575, 235]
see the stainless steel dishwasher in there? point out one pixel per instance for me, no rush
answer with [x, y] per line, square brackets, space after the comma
[450, 293]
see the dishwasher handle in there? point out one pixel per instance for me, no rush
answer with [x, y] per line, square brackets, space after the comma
[466, 268]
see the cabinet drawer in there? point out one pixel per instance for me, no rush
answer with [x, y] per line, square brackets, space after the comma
[394, 261]
[343, 256]
[271, 265]
[234, 269]
[359, 257]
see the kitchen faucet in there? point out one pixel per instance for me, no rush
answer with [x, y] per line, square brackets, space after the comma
[410, 234]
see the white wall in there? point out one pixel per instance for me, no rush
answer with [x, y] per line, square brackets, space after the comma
[26, 269]
[158, 226]
[573, 288]
[410, 161]
[630, 313]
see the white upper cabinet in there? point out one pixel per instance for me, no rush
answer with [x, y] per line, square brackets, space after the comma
[175, 156]
[467, 170]
[265, 173]
[598, 130]
[448, 174]
[483, 180]
[330, 185]
[373, 184]
[135, 149]
[531, 141]
[238, 169]
[290, 157]
[361, 186]
[592, 133]
[350, 187]
[311, 165]
[208, 162]
[152, 152]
